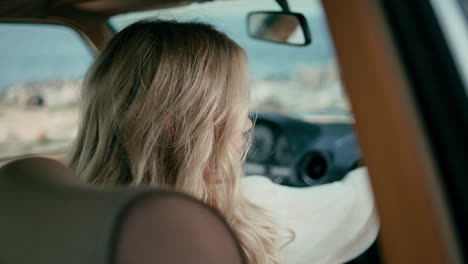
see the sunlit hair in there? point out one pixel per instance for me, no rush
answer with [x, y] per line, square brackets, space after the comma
[160, 106]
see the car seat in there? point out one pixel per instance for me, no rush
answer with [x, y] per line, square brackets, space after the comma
[48, 216]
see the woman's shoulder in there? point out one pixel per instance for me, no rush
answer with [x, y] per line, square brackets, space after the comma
[332, 222]
[260, 190]
[355, 186]
[256, 183]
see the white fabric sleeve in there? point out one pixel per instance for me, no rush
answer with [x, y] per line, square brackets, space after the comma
[333, 223]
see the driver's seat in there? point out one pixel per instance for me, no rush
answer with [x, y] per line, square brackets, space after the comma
[48, 216]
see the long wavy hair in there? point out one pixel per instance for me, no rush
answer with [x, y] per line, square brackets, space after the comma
[160, 106]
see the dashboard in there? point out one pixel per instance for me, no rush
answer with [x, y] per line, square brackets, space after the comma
[294, 152]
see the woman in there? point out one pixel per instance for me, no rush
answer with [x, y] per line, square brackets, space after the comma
[166, 104]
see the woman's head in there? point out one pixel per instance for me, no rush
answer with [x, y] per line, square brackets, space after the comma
[167, 98]
[166, 104]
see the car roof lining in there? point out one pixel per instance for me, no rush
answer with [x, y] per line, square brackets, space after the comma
[87, 17]
[106, 8]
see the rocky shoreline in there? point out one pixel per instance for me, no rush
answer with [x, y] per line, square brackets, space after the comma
[42, 116]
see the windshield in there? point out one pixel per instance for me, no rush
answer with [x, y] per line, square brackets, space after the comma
[43, 66]
[291, 80]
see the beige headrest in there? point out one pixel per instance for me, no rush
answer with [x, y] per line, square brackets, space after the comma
[48, 216]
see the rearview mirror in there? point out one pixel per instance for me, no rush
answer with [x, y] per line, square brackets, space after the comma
[282, 27]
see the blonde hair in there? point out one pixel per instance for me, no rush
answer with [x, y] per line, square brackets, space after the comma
[161, 105]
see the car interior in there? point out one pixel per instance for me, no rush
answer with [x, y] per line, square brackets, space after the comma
[334, 86]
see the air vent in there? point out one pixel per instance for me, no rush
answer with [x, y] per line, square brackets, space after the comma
[314, 168]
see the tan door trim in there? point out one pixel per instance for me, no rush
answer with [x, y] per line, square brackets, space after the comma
[50, 21]
[415, 224]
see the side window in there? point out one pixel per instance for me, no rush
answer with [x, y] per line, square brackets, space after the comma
[41, 68]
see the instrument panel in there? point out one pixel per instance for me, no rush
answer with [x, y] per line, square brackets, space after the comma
[294, 152]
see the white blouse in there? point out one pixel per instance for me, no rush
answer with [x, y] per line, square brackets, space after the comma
[333, 223]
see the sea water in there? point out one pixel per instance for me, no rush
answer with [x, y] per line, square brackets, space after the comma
[30, 53]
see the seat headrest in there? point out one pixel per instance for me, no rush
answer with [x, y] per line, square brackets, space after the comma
[49, 216]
